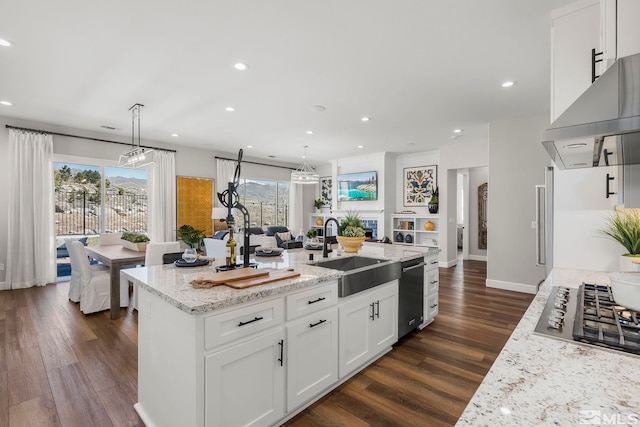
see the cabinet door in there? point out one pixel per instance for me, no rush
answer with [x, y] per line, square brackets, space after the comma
[385, 323]
[575, 30]
[432, 279]
[244, 384]
[354, 317]
[431, 305]
[628, 29]
[312, 356]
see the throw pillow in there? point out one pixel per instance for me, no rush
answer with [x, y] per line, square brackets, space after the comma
[285, 237]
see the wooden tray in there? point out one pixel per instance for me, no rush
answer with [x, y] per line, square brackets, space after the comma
[233, 275]
[273, 276]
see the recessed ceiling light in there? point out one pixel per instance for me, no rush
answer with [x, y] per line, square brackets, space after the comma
[249, 146]
[457, 131]
[5, 43]
[508, 83]
[230, 109]
[175, 135]
[360, 146]
[7, 103]
[309, 132]
[317, 108]
[240, 66]
[365, 119]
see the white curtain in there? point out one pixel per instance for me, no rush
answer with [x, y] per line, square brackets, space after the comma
[162, 199]
[225, 169]
[30, 243]
[296, 208]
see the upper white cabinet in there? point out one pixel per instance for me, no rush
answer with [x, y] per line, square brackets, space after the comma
[628, 29]
[576, 30]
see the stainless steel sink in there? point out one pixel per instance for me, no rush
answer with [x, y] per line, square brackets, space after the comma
[361, 273]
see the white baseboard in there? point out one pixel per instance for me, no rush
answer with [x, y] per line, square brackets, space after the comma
[447, 264]
[477, 258]
[511, 286]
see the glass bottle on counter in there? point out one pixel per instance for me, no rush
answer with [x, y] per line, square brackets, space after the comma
[231, 249]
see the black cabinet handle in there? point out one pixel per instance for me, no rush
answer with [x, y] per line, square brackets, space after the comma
[250, 321]
[373, 312]
[609, 179]
[378, 309]
[434, 306]
[434, 282]
[281, 344]
[594, 61]
[311, 325]
[316, 300]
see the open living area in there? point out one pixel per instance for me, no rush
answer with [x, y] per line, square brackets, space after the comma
[302, 214]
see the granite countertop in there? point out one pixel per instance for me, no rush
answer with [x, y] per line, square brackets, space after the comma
[172, 283]
[538, 380]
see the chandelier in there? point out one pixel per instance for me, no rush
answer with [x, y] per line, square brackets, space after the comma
[305, 174]
[138, 156]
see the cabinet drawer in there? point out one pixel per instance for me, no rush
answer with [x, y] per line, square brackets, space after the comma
[433, 280]
[238, 323]
[432, 306]
[312, 300]
[431, 263]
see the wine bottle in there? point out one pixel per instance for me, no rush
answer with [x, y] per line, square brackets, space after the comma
[231, 250]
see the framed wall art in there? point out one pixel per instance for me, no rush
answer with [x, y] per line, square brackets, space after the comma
[194, 197]
[325, 190]
[419, 184]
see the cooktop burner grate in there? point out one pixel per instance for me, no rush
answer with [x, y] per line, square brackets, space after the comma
[600, 321]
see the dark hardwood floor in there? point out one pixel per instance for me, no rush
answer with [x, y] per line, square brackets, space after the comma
[59, 367]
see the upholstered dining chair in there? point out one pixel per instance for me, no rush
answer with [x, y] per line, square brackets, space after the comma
[216, 248]
[109, 239]
[153, 256]
[95, 287]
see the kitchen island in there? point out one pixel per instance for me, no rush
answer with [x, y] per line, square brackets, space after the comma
[256, 356]
[538, 380]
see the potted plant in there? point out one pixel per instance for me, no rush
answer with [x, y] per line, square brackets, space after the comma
[623, 226]
[433, 203]
[192, 237]
[318, 204]
[134, 241]
[351, 233]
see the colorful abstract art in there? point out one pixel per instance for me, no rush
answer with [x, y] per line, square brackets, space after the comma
[419, 184]
[325, 190]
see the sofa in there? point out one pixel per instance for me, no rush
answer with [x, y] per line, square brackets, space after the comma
[284, 238]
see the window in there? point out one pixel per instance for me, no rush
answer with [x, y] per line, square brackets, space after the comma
[267, 201]
[92, 199]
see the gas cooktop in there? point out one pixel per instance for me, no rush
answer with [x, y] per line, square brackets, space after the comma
[590, 315]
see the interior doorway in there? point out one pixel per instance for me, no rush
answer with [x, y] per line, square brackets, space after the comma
[470, 213]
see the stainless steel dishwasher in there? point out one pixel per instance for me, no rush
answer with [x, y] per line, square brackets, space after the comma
[410, 296]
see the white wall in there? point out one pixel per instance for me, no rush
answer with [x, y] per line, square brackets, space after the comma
[516, 164]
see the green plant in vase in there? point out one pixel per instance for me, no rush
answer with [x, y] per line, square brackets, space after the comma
[318, 204]
[623, 226]
[435, 201]
[192, 237]
[351, 233]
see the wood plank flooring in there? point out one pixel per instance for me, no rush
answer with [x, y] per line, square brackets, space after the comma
[59, 367]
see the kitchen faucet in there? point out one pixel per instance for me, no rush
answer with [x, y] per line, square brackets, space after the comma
[325, 251]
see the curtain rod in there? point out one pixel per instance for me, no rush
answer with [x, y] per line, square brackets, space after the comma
[83, 137]
[256, 163]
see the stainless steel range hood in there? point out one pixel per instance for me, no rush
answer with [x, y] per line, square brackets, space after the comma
[602, 127]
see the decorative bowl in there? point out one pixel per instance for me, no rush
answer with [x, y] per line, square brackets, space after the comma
[625, 287]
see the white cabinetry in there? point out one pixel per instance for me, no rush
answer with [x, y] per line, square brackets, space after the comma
[431, 288]
[368, 326]
[410, 229]
[244, 384]
[312, 356]
[628, 29]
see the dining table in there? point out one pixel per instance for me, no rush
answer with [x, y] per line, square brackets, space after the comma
[115, 257]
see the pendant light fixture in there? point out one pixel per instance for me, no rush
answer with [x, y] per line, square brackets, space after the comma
[138, 156]
[305, 174]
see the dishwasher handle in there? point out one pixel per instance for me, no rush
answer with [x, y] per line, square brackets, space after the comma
[405, 269]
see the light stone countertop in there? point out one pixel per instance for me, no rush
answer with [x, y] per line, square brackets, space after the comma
[538, 380]
[172, 283]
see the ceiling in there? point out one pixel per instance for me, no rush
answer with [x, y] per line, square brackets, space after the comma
[418, 68]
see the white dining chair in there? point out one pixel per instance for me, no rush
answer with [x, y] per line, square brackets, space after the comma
[109, 239]
[95, 287]
[153, 256]
[215, 247]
